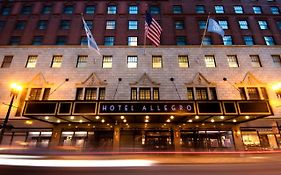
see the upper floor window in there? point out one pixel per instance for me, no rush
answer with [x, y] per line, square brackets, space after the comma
[111, 9]
[202, 24]
[90, 9]
[232, 61]
[2, 25]
[255, 61]
[65, 24]
[257, 10]
[14, 40]
[110, 24]
[243, 25]
[7, 61]
[253, 93]
[132, 61]
[145, 93]
[210, 61]
[269, 40]
[276, 60]
[133, 25]
[156, 62]
[90, 24]
[223, 24]
[39, 93]
[61, 40]
[107, 61]
[42, 24]
[200, 9]
[31, 61]
[278, 23]
[201, 93]
[20, 25]
[90, 93]
[248, 40]
[263, 25]
[154, 10]
[177, 9]
[132, 40]
[109, 40]
[37, 40]
[227, 40]
[47, 9]
[83, 40]
[133, 9]
[56, 61]
[207, 40]
[179, 25]
[26, 10]
[183, 61]
[68, 9]
[275, 10]
[6, 11]
[180, 40]
[219, 9]
[238, 9]
[81, 61]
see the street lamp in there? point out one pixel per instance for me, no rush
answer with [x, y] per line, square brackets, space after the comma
[15, 89]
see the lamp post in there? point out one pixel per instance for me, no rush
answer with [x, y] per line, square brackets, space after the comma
[15, 89]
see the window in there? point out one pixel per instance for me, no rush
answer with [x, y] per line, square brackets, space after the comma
[35, 93]
[101, 94]
[47, 9]
[89, 24]
[253, 93]
[26, 10]
[275, 10]
[31, 61]
[242, 93]
[154, 10]
[132, 61]
[111, 9]
[200, 9]
[278, 23]
[156, 94]
[133, 9]
[14, 40]
[65, 24]
[180, 40]
[238, 9]
[243, 25]
[20, 25]
[219, 9]
[263, 25]
[61, 40]
[144, 94]
[156, 62]
[83, 40]
[190, 94]
[79, 94]
[179, 25]
[210, 61]
[134, 94]
[90, 9]
[257, 10]
[201, 93]
[207, 41]
[6, 11]
[183, 61]
[248, 40]
[110, 25]
[107, 62]
[223, 24]
[37, 40]
[232, 61]
[255, 61]
[2, 25]
[264, 93]
[269, 40]
[227, 40]
[133, 25]
[42, 24]
[202, 24]
[109, 40]
[276, 60]
[57, 61]
[213, 93]
[132, 40]
[68, 9]
[177, 9]
[90, 93]
[81, 61]
[7, 61]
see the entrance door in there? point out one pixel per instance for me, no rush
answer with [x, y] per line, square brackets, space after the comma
[158, 141]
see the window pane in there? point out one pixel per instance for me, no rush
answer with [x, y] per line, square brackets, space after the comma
[109, 41]
[46, 93]
[112, 9]
[110, 25]
[133, 93]
[107, 62]
[155, 93]
[132, 41]
[263, 25]
[133, 25]
[275, 10]
[6, 63]
[202, 24]
[34, 94]
[243, 25]
[156, 61]
[177, 9]
[238, 9]
[57, 61]
[90, 93]
[227, 40]
[37, 40]
[183, 61]
[132, 61]
[47, 9]
[154, 10]
[248, 40]
[257, 10]
[31, 61]
[61, 40]
[210, 61]
[242, 93]
[90, 9]
[179, 25]
[82, 61]
[255, 61]
[207, 40]
[201, 94]
[264, 93]
[269, 40]
[133, 9]
[276, 60]
[68, 9]
[200, 9]
[190, 95]
[213, 93]
[181, 40]
[42, 24]
[232, 61]
[101, 93]
[223, 24]
[144, 94]
[14, 40]
[219, 9]
[253, 93]
[79, 94]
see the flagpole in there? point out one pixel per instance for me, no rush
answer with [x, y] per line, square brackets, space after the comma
[144, 42]
[205, 30]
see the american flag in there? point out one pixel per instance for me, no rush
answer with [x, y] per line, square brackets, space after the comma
[152, 30]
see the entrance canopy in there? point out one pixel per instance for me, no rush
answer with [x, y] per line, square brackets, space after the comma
[234, 111]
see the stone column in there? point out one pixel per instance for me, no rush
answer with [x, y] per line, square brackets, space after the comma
[56, 135]
[237, 138]
[177, 139]
[116, 139]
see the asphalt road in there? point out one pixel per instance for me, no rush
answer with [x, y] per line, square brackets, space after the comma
[268, 168]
